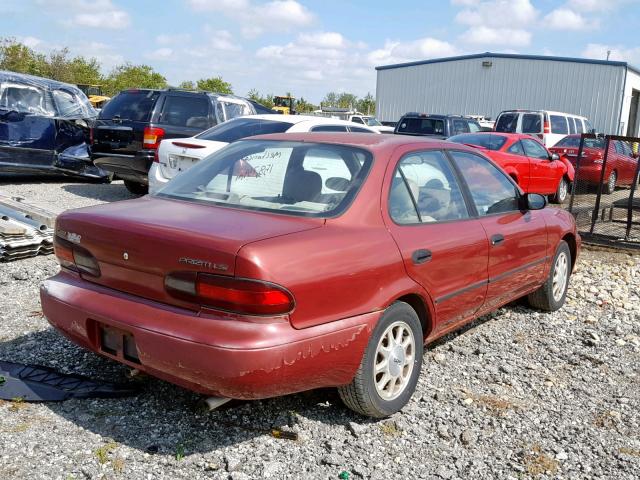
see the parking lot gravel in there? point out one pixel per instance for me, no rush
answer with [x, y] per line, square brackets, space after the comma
[516, 394]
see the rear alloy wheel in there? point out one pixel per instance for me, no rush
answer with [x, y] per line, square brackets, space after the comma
[562, 192]
[552, 294]
[610, 186]
[136, 188]
[390, 367]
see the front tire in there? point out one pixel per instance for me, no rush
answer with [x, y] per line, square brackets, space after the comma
[390, 367]
[552, 294]
[562, 192]
[136, 188]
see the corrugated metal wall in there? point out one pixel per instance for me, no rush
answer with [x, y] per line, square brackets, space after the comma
[466, 87]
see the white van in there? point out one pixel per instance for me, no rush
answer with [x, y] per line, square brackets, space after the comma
[550, 127]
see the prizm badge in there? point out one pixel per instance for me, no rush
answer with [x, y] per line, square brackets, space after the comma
[204, 263]
[70, 236]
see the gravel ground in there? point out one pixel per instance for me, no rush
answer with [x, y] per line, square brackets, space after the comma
[517, 394]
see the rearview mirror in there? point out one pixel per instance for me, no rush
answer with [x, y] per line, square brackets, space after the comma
[554, 156]
[535, 201]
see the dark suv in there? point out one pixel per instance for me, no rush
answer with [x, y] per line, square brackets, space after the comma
[128, 131]
[436, 126]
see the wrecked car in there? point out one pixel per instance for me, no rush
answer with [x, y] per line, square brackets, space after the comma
[293, 261]
[43, 127]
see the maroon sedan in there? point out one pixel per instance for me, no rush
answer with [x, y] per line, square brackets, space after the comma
[621, 161]
[290, 262]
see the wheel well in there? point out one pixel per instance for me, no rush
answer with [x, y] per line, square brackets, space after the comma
[417, 303]
[571, 241]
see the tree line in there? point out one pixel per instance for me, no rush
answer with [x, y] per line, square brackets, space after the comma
[61, 65]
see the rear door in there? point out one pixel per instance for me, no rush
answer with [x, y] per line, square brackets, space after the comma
[532, 124]
[517, 239]
[515, 158]
[544, 173]
[27, 126]
[443, 248]
[507, 122]
[119, 128]
[559, 129]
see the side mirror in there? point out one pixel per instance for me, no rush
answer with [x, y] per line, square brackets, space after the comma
[554, 157]
[535, 201]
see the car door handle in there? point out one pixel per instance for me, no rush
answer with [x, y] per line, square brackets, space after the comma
[497, 239]
[421, 256]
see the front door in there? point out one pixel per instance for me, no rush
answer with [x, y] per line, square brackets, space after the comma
[443, 247]
[517, 239]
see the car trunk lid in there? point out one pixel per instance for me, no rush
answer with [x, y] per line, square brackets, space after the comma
[178, 155]
[138, 242]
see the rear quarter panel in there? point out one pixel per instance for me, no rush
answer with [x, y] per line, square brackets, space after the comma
[560, 224]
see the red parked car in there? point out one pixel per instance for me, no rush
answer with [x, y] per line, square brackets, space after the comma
[289, 262]
[526, 160]
[621, 161]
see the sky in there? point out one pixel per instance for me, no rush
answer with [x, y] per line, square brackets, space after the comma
[311, 47]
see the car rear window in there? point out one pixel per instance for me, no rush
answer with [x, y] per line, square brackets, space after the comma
[421, 126]
[574, 142]
[131, 105]
[531, 123]
[293, 178]
[484, 140]
[559, 124]
[241, 128]
[507, 122]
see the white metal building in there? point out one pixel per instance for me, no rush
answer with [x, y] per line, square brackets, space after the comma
[606, 92]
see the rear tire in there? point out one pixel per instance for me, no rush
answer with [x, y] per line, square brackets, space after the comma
[390, 367]
[562, 192]
[552, 294]
[136, 188]
[609, 187]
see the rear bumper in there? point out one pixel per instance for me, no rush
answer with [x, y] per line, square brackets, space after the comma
[214, 356]
[156, 179]
[128, 167]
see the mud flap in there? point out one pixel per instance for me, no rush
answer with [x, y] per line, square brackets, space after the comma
[42, 384]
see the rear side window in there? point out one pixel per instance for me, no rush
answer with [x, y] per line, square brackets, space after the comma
[186, 111]
[579, 127]
[484, 140]
[460, 126]
[241, 128]
[507, 122]
[134, 105]
[574, 142]
[491, 190]
[531, 123]
[559, 124]
[516, 148]
[329, 128]
[424, 190]
[572, 125]
[421, 126]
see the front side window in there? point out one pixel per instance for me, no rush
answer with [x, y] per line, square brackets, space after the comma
[588, 126]
[531, 123]
[534, 150]
[559, 124]
[424, 190]
[372, 122]
[474, 127]
[507, 123]
[491, 190]
[357, 120]
[294, 178]
[359, 130]
[460, 126]
[66, 103]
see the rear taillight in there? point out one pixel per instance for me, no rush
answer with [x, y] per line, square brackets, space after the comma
[91, 136]
[546, 128]
[152, 137]
[75, 257]
[238, 295]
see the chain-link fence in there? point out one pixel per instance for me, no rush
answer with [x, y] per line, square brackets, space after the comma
[606, 199]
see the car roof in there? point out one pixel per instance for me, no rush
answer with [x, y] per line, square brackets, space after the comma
[502, 134]
[550, 112]
[362, 140]
[295, 119]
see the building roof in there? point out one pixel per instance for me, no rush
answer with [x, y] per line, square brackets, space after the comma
[612, 63]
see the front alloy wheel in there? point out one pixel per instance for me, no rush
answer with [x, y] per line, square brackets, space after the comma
[390, 366]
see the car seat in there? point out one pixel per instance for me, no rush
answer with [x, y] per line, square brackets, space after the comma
[301, 185]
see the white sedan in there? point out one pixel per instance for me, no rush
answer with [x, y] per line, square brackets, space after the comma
[179, 154]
